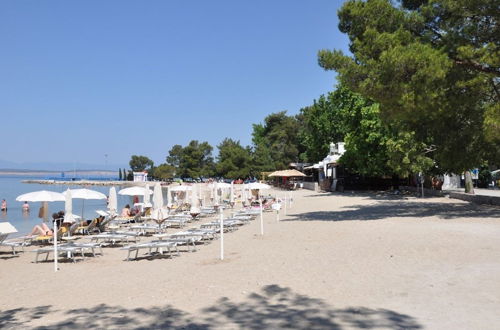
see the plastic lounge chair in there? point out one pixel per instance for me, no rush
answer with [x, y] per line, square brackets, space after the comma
[189, 242]
[67, 251]
[45, 239]
[113, 238]
[157, 245]
[11, 243]
[85, 246]
[90, 228]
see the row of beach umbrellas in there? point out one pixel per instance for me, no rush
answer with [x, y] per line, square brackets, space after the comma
[88, 194]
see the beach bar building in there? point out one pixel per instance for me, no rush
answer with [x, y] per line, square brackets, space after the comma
[141, 176]
[327, 172]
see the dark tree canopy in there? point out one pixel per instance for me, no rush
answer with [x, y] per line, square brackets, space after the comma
[163, 172]
[276, 142]
[140, 163]
[192, 161]
[433, 66]
[234, 161]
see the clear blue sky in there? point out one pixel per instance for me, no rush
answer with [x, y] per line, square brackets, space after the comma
[81, 79]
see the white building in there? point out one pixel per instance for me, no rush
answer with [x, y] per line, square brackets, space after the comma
[140, 176]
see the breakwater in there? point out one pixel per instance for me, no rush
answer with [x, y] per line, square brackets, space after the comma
[86, 182]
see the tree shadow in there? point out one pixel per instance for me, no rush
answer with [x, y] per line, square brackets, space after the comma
[274, 307]
[400, 209]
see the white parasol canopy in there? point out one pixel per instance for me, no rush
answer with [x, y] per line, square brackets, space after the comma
[45, 196]
[41, 196]
[147, 193]
[169, 197]
[68, 207]
[157, 197]
[257, 186]
[133, 191]
[112, 202]
[85, 194]
[7, 228]
[181, 188]
[195, 202]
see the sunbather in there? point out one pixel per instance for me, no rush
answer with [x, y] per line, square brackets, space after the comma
[42, 229]
[126, 211]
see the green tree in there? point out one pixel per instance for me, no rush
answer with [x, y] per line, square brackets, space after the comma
[433, 66]
[163, 172]
[277, 139]
[175, 155]
[234, 161]
[323, 123]
[119, 174]
[140, 163]
[192, 161]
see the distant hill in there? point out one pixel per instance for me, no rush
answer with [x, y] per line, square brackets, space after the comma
[57, 166]
[58, 174]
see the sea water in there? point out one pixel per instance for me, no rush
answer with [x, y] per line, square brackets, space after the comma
[11, 187]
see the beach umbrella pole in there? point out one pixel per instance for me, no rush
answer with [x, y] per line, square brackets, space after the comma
[285, 200]
[55, 246]
[221, 234]
[261, 218]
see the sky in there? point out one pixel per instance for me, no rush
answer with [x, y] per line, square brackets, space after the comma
[98, 81]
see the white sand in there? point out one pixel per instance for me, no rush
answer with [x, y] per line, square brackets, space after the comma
[336, 261]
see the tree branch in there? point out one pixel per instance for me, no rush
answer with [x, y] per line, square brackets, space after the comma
[478, 67]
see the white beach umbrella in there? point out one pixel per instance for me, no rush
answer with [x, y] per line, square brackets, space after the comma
[133, 191]
[195, 202]
[112, 202]
[169, 197]
[68, 207]
[147, 193]
[41, 196]
[257, 186]
[45, 196]
[181, 188]
[157, 197]
[7, 228]
[84, 194]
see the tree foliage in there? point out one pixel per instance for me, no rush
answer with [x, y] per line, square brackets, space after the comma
[373, 148]
[433, 66]
[276, 142]
[323, 123]
[140, 163]
[234, 161]
[163, 172]
[192, 161]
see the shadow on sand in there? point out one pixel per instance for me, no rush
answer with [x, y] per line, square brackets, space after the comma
[275, 307]
[400, 207]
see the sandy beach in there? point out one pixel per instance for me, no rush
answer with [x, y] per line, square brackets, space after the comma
[335, 261]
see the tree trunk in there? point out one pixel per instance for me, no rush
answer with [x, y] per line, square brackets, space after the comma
[469, 186]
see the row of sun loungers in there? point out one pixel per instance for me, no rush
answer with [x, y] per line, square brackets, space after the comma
[166, 244]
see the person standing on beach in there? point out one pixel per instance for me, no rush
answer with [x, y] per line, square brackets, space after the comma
[3, 207]
[26, 207]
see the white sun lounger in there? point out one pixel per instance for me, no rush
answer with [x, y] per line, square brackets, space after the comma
[158, 246]
[68, 251]
[113, 238]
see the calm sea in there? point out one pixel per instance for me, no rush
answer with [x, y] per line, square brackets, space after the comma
[11, 187]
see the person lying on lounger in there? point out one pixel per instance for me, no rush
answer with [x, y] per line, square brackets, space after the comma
[42, 229]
